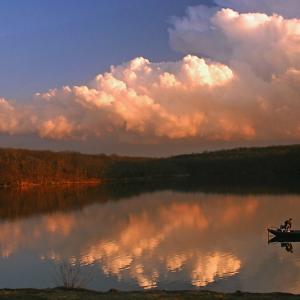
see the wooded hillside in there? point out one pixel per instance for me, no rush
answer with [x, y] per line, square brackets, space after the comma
[270, 164]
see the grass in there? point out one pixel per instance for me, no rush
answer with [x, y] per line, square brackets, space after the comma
[76, 294]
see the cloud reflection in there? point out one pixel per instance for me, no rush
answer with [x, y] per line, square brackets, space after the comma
[142, 242]
[150, 239]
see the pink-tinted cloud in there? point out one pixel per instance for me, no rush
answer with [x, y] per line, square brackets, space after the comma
[245, 89]
[286, 8]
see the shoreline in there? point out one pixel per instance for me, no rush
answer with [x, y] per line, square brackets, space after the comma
[26, 184]
[270, 166]
[70, 294]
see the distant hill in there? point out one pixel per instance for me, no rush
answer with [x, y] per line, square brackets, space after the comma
[268, 165]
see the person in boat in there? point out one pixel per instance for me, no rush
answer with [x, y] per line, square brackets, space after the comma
[287, 225]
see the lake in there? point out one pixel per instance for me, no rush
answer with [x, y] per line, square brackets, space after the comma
[135, 238]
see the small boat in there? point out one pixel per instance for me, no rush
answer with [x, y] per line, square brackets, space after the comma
[286, 235]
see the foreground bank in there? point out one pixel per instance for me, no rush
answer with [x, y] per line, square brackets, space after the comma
[58, 294]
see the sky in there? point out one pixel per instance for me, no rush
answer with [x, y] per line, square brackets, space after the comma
[149, 77]
[50, 43]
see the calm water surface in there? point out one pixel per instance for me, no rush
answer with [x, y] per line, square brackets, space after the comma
[164, 239]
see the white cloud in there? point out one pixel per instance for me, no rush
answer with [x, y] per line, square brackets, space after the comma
[246, 89]
[266, 44]
[286, 8]
[140, 97]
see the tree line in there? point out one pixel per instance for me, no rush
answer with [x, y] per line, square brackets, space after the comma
[267, 165]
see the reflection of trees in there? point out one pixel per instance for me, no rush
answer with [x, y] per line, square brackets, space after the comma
[40, 200]
[17, 204]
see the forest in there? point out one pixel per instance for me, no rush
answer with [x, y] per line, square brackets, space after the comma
[266, 165]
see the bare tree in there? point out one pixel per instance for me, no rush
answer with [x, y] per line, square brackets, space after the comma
[72, 276]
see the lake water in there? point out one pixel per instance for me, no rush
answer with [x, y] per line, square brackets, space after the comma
[158, 239]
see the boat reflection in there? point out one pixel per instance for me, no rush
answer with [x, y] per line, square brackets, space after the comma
[286, 243]
[288, 247]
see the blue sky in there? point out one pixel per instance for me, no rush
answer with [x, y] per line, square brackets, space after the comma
[227, 76]
[50, 43]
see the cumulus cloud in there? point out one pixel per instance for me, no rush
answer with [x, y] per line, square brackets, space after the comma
[266, 44]
[286, 8]
[239, 81]
[263, 53]
[153, 100]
